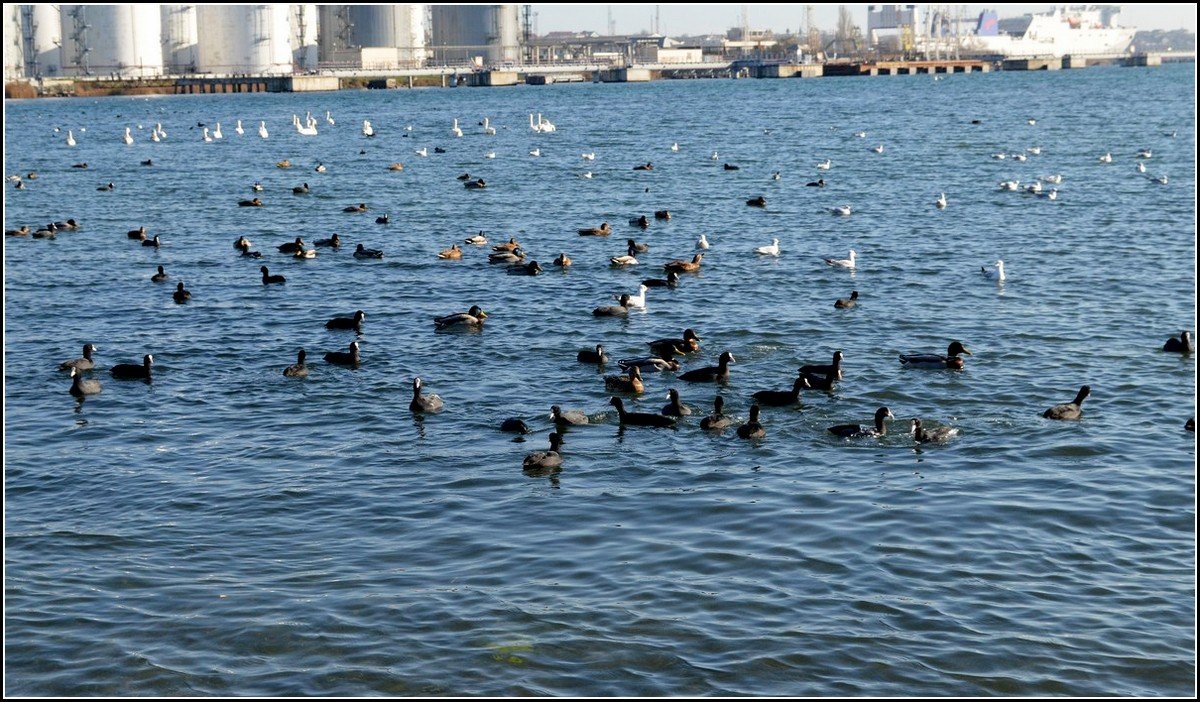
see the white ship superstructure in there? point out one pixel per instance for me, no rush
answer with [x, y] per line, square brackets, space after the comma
[1068, 30]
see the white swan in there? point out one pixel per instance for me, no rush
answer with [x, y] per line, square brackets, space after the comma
[1141, 167]
[535, 153]
[1031, 121]
[490, 154]
[1035, 150]
[825, 165]
[238, 129]
[995, 273]
[329, 119]
[772, 250]
[154, 136]
[423, 151]
[207, 139]
[304, 130]
[217, 132]
[1010, 184]
[367, 130]
[589, 156]
[128, 136]
[675, 146]
[714, 156]
[941, 202]
[1106, 158]
[162, 133]
[70, 138]
[861, 135]
[843, 210]
[843, 262]
[702, 242]
[545, 124]
[488, 128]
[878, 149]
[455, 130]
[262, 129]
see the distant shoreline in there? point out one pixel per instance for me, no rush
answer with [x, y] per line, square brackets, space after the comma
[30, 88]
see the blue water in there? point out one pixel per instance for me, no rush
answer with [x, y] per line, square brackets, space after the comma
[226, 530]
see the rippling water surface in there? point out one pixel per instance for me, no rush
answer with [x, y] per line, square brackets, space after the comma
[226, 530]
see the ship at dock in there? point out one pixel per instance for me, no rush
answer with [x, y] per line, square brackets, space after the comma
[1069, 30]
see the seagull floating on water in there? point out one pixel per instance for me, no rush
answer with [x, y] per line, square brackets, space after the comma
[995, 273]
[843, 210]
[772, 250]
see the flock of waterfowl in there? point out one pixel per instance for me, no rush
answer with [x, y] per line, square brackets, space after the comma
[665, 354]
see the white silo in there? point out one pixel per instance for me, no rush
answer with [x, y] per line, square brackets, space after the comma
[180, 35]
[305, 22]
[112, 40]
[14, 58]
[44, 27]
[244, 39]
[395, 26]
[461, 32]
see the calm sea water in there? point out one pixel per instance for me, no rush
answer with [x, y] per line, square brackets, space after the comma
[226, 530]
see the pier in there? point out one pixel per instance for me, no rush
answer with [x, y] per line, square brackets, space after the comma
[548, 74]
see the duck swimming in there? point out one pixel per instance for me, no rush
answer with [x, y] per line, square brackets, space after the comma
[675, 408]
[160, 276]
[711, 374]
[1071, 410]
[181, 296]
[85, 363]
[269, 279]
[602, 230]
[452, 254]
[671, 281]
[951, 360]
[345, 358]
[424, 403]
[650, 364]
[717, 420]
[81, 387]
[250, 203]
[477, 240]
[782, 398]
[471, 318]
[666, 348]
[567, 419]
[363, 252]
[1181, 345]
[589, 356]
[752, 429]
[510, 245]
[684, 266]
[621, 310]
[939, 435]
[630, 382]
[640, 419]
[847, 303]
[134, 371]
[297, 369]
[855, 431]
[545, 460]
[562, 261]
[759, 201]
[333, 242]
[514, 256]
[360, 207]
[353, 322]
[531, 268]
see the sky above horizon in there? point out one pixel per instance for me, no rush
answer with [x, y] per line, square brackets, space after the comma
[678, 19]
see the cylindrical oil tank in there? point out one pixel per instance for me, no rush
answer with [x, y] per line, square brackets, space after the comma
[304, 19]
[44, 25]
[397, 26]
[14, 56]
[112, 40]
[180, 35]
[244, 39]
[464, 31]
[333, 30]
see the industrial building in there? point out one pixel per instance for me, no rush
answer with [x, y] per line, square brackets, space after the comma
[145, 41]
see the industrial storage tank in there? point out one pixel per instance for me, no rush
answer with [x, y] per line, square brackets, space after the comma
[180, 36]
[112, 40]
[304, 20]
[461, 32]
[14, 60]
[43, 26]
[244, 39]
[394, 26]
[334, 28]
